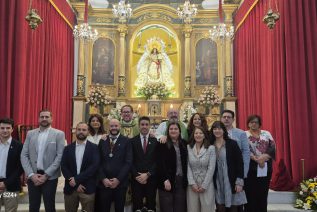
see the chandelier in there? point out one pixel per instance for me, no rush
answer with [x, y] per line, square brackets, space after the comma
[122, 11]
[187, 12]
[83, 31]
[221, 31]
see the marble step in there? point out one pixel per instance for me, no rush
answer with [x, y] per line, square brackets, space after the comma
[271, 208]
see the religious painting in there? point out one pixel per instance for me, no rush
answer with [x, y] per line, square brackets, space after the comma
[103, 62]
[206, 62]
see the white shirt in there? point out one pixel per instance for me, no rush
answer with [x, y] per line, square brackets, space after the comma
[94, 139]
[142, 139]
[4, 149]
[114, 138]
[42, 140]
[161, 130]
[79, 153]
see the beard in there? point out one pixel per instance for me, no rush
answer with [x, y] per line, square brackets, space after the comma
[174, 119]
[81, 136]
[44, 124]
[114, 132]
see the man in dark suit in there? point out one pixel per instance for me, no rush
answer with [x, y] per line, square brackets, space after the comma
[115, 165]
[79, 165]
[144, 182]
[41, 157]
[10, 166]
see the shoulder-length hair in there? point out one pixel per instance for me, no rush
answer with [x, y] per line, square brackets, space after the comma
[218, 124]
[206, 141]
[169, 142]
[204, 124]
[101, 129]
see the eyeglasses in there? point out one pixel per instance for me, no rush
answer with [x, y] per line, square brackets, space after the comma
[227, 117]
[253, 122]
[126, 112]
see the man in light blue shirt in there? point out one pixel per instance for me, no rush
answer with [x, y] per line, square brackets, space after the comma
[227, 117]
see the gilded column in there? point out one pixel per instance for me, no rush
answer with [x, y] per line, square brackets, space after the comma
[122, 29]
[228, 84]
[187, 32]
[81, 78]
[229, 101]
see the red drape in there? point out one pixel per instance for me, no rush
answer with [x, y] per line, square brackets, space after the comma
[36, 68]
[276, 77]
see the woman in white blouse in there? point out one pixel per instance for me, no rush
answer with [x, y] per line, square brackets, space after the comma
[96, 129]
[200, 172]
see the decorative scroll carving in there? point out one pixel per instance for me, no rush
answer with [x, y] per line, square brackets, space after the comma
[187, 92]
[228, 86]
[80, 85]
[121, 89]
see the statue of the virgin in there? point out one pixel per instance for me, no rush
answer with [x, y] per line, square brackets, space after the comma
[154, 65]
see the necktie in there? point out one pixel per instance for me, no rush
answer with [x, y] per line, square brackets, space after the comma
[144, 144]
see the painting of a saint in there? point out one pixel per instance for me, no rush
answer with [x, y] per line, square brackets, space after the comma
[206, 63]
[154, 65]
[103, 62]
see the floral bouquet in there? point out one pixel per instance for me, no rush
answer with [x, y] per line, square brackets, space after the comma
[154, 89]
[307, 195]
[187, 113]
[98, 96]
[209, 97]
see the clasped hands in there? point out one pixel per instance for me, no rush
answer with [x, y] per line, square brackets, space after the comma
[142, 178]
[198, 189]
[2, 187]
[111, 183]
[39, 179]
[72, 183]
[260, 159]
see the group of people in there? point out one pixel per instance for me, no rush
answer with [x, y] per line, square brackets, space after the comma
[191, 167]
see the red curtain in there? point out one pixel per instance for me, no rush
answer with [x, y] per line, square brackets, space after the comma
[36, 68]
[276, 77]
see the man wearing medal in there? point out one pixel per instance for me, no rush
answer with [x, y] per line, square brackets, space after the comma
[115, 164]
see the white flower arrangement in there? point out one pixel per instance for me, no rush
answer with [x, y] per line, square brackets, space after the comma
[151, 89]
[98, 96]
[209, 97]
[307, 195]
[187, 113]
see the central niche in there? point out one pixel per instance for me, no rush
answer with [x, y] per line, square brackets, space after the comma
[155, 58]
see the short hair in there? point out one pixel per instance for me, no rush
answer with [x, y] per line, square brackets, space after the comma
[129, 106]
[252, 117]
[7, 121]
[228, 111]
[46, 110]
[192, 141]
[144, 118]
[82, 123]
[101, 129]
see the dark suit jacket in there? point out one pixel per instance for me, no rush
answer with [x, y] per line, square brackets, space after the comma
[234, 163]
[167, 164]
[144, 162]
[120, 164]
[14, 167]
[88, 170]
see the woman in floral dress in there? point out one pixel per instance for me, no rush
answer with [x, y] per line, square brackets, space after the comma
[262, 148]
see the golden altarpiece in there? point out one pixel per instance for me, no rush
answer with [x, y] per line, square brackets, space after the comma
[118, 59]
